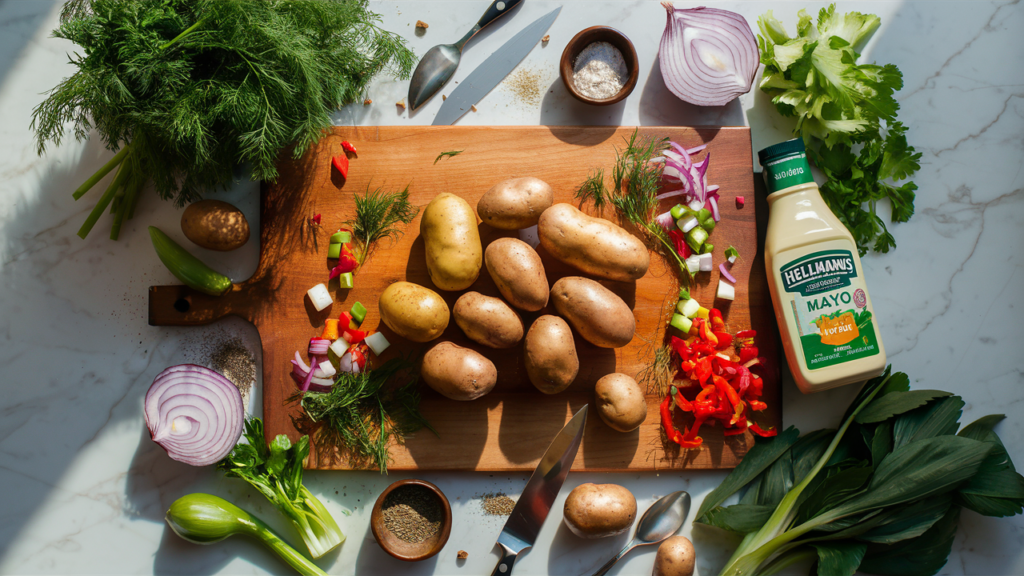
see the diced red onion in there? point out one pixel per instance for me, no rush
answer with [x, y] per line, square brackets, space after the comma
[725, 273]
[714, 209]
[318, 346]
[671, 193]
[194, 413]
[708, 56]
[665, 221]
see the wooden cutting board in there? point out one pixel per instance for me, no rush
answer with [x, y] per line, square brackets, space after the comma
[510, 428]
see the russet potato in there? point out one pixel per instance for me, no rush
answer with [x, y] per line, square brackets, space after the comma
[452, 242]
[550, 355]
[597, 313]
[488, 321]
[215, 225]
[518, 273]
[515, 204]
[620, 402]
[413, 312]
[458, 373]
[593, 245]
[599, 510]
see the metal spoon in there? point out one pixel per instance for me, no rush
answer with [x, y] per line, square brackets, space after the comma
[663, 519]
[439, 63]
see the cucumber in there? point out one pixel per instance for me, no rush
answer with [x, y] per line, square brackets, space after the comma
[190, 270]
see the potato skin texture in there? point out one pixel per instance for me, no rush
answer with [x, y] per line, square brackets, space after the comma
[599, 510]
[597, 313]
[215, 225]
[620, 402]
[458, 373]
[518, 273]
[488, 321]
[452, 242]
[594, 245]
[675, 557]
[413, 311]
[550, 355]
[516, 203]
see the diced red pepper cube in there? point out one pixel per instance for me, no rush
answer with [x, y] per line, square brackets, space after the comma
[341, 165]
[348, 147]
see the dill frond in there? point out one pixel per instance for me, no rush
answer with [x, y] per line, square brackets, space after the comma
[449, 154]
[378, 214]
[593, 190]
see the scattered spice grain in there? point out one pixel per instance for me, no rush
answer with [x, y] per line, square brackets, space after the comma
[233, 360]
[412, 513]
[498, 504]
[525, 86]
[546, 38]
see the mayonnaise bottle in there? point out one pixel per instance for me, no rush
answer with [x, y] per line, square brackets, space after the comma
[816, 280]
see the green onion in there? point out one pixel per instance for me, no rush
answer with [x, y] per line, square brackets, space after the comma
[677, 211]
[334, 250]
[341, 237]
[695, 238]
[345, 280]
[681, 323]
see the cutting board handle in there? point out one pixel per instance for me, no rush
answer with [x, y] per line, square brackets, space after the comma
[183, 306]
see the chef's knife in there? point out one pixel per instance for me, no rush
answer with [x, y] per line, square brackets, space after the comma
[528, 516]
[493, 70]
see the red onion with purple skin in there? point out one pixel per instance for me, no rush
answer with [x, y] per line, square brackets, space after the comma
[194, 413]
[708, 56]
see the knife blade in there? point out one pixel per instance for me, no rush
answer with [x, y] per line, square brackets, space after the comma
[528, 516]
[493, 70]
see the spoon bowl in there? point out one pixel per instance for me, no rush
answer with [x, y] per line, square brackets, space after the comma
[663, 519]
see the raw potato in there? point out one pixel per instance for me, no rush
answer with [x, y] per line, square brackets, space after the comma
[620, 402]
[597, 313]
[515, 204]
[452, 242]
[215, 225]
[458, 373]
[599, 510]
[594, 245]
[550, 354]
[488, 320]
[675, 557]
[413, 312]
[518, 273]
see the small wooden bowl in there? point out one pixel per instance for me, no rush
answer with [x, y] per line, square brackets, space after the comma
[395, 546]
[586, 38]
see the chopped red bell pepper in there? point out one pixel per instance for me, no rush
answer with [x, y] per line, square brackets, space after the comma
[348, 147]
[724, 339]
[346, 262]
[763, 433]
[340, 164]
[679, 240]
[315, 220]
[358, 356]
[353, 336]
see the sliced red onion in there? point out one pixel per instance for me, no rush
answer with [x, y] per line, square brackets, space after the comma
[665, 220]
[714, 209]
[725, 273]
[696, 149]
[194, 413]
[671, 194]
[708, 56]
[300, 372]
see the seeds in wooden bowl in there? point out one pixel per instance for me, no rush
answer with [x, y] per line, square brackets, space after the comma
[412, 513]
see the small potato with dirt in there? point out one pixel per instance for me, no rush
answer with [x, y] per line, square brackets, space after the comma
[452, 242]
[675, 557]
[593, 245]
[215, 225]
[488, 321]
[413, 312]
[550, 355]
[515, 204]
[458, 373]
[518, 273]
[599, 510]
[597, 313]
[620, 402]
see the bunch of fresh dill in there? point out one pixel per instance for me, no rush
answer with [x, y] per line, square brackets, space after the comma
[185, 90]
[362, 413]
[636, 182]
[378, 214]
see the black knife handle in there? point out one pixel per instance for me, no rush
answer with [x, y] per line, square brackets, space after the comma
[508, 558]
[496, 10]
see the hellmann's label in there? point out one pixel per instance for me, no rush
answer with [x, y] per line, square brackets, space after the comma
[830, 308]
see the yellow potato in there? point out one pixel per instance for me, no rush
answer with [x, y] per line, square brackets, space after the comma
[594, 245]
[675, 557]
[413, 312]
[518, 273]
[599, 510]
[458, 373]
[215, 225]
[601, 317]
[488, 320]
[620, 402]
[516, 203]
[452, 242]
[550, 354]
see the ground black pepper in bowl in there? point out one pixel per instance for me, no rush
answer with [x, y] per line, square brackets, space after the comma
[413, 513]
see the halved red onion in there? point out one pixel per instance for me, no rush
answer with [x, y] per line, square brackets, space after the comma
[708, 56]
[194, 413]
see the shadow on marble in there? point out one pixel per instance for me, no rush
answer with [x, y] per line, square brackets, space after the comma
[660, 107]
[570, 554]
[20, 22]
[560, 108]
[374, 560]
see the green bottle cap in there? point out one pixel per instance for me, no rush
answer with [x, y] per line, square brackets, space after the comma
[785, 164]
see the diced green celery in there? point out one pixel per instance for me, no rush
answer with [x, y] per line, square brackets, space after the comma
[358, 312]
[708, 224]
[334, 251]
[341, 237]
[687, 223]
[703, 214]
[346, 280]
[708, 248]
[690, 308]
[696, 237]
[677, 211]
[681, 323]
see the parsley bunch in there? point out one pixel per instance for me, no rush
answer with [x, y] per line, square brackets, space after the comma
[185, 90]
[846, 115]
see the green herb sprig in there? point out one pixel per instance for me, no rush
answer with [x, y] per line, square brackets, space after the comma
[361, 414]
[186, 90]
[448, 154]
[378, 214]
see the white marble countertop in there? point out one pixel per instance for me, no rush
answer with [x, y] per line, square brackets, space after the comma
[84, 490]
